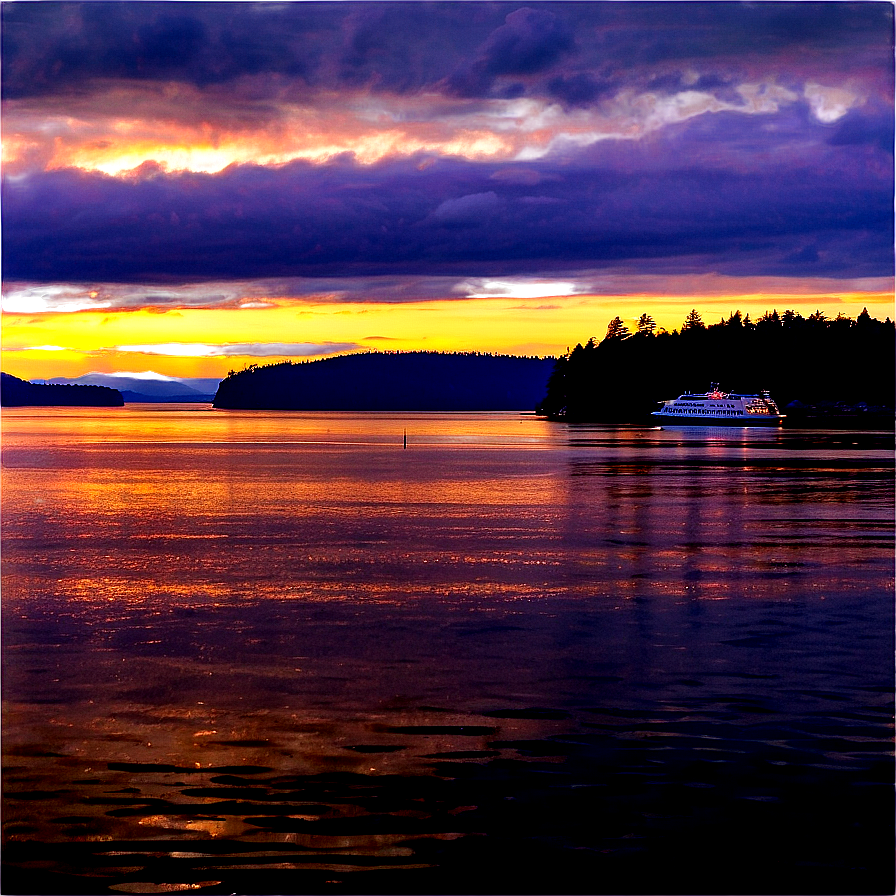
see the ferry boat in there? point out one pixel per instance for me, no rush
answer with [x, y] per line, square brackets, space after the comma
[717, 408]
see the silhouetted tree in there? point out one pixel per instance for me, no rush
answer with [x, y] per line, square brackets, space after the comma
[617, 329]
[693, 321]
[646, 325]
[841, 323]
[769, 321]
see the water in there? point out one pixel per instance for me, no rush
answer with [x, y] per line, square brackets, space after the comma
[250, 652]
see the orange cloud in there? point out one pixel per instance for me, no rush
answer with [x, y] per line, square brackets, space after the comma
[179, 126]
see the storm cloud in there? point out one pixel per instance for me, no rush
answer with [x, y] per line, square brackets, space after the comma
[457, 217]
[161, 143]
[405, 47]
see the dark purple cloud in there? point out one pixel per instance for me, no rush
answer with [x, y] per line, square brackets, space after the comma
[50, 47]
[694, 193]
[530, 41]
[566, 50]
[242, 349]
[282, 349]
[871, 127]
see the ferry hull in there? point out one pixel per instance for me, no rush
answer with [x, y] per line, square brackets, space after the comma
[682, 420]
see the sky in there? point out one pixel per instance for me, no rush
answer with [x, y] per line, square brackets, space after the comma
[189, 188]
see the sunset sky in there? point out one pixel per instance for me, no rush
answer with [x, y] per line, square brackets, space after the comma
[191, 187]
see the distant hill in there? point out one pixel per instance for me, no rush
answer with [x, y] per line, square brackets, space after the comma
[392, 381]
[20, 393]
[149, 387]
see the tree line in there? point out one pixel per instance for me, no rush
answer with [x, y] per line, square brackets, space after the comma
[15, 392]
[808, 362]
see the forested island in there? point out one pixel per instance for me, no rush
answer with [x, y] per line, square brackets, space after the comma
[16, 393]
[818, 370]
[391, 381]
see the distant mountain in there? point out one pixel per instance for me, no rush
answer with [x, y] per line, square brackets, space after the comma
[149, 387]
[392, 381]
[20, 393]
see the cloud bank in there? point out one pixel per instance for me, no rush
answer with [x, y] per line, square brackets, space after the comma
[812, 211]
[167, 145]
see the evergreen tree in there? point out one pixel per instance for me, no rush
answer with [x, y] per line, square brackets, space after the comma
[646, 325]
[617, 329]
[769, 321]
[693, 321]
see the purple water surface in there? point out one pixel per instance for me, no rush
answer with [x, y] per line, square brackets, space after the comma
[280, 653]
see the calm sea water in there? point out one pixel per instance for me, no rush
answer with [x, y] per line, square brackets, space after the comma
[251, 652]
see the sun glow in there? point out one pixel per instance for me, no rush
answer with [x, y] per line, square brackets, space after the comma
[210, 341]
[120, 132]
[181, 129]
[367, 149]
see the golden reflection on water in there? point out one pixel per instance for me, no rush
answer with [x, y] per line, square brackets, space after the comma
[229, 627]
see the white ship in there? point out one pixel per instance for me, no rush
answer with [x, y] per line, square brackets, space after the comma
[716, 408]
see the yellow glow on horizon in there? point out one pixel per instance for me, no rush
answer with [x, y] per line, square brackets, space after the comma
[70, 344]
